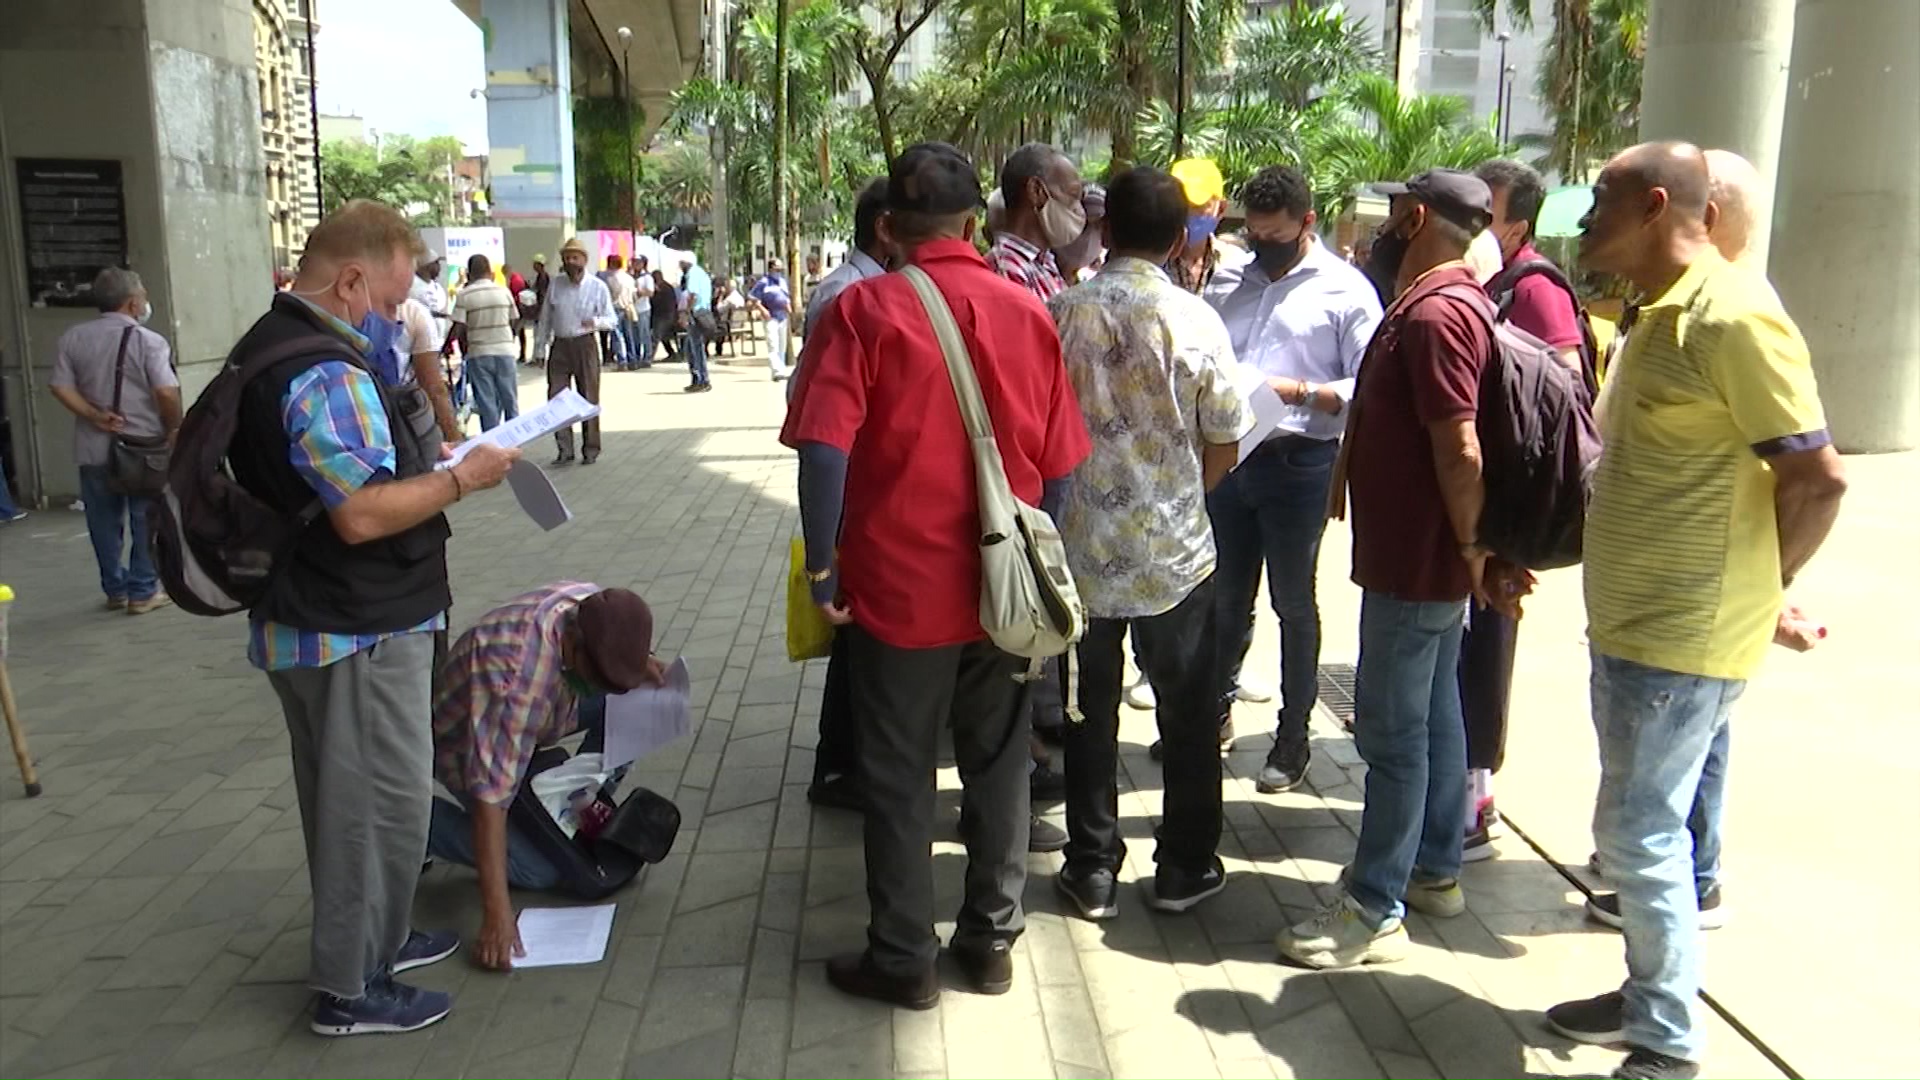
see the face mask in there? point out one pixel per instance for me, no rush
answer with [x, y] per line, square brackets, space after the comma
[146, 312]
[1276, 256]
[382, 333]
[1062, 220]
[1199, 227]
[1383, 265]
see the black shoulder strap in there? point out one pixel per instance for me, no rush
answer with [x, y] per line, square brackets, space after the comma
[120, 367]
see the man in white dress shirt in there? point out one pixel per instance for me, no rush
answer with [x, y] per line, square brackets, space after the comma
[578, 307]
[1302, 316]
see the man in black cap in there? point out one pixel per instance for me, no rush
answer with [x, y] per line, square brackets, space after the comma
[528, 674]
[1413, 463]
[905, 583]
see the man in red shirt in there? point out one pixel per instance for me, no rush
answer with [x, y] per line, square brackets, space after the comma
[1413, 464]
[905, 582]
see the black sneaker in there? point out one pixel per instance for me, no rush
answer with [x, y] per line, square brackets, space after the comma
[386, 1008]
[854, 973]
[425, 947]
[1177, 890]
[1650, 1065]
[837, 792]
[988, 967]
[1604, 908]
[1286, 766]
[1044, 836]
[1048, 785]
[1094, 893]
[1598, 1020]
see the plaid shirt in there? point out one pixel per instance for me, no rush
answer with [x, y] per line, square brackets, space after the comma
[1180, 274]
[502, 696]
[341, 442]
[1026, 266]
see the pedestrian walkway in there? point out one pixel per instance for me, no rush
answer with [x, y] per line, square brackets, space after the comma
[154, 912]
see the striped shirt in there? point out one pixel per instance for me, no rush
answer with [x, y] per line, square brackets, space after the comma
[502, 695]
[486, 310]
[1682, 549]
[1026, 266]
[341, 442]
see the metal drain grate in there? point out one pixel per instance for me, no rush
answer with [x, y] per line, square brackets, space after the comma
[1336, 691]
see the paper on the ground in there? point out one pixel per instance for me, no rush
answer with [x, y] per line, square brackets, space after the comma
[1268, 409]
[565, 408]
[537, 495]
[571, 935]
[643, 720]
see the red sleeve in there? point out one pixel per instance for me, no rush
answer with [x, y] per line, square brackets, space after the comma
[830, 402]
[1067, 443]
[1446, 346]
[1544, 309]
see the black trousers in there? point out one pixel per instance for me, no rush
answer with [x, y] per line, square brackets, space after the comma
[902, 700]
[1179, 652]
[834, 754]
[1486, 684]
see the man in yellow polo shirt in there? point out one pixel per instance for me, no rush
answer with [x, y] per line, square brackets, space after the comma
[1717, 484]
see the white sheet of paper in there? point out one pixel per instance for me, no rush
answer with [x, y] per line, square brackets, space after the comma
[643, 720]
[570, 935]
[1268, 411]
[566, 408]
[537, 495]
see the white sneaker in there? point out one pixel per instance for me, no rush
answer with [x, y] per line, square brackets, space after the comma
[1140, 694]
[1254, 695]
[1339, 937]
[1436, 896]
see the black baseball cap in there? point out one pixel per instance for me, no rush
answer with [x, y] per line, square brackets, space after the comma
[1460, 197]
[933, 178]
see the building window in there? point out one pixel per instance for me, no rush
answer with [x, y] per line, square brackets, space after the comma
[1459, 75]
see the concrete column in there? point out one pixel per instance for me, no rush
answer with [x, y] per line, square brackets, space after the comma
[1716, 76]
[1847, 261]
[530, 124]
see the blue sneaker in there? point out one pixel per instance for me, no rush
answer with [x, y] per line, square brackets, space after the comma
[425, 947]
[387, 1007]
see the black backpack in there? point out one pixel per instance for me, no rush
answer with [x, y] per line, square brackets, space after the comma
[1538, 445]
[641, 831]
[1507, 282]
[215, 543]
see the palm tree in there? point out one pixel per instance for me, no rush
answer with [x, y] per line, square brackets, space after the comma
[1595, 55]
[1380, 135]
[1298, 53]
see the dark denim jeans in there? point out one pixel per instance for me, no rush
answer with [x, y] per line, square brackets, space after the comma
[1273, 510]
[696, 352]
[1408, 729]
[1179, 654]
[125, 573]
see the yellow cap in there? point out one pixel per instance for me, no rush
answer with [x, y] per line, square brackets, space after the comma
[6, 594]
[1202, 180]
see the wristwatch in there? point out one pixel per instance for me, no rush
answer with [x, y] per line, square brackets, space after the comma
[817, 576]
[1307, 393]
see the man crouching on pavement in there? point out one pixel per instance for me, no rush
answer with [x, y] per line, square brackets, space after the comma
[529, 673]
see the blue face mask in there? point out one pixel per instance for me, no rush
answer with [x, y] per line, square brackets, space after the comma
[1201, 226]
[381, 334]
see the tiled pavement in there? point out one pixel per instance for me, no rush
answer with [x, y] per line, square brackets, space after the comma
[154, 911]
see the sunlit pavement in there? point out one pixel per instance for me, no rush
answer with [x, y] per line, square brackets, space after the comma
[154, 912]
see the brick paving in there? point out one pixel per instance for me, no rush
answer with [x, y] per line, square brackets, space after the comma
[154, 910]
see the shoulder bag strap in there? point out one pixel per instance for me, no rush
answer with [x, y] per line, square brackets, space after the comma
[120, 367]
[966, 383]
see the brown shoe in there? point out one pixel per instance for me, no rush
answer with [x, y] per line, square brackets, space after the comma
[116, 603]
[141, 607]
[854, 973]
[989, 966]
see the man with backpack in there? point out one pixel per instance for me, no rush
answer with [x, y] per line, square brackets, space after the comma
[1413, 461]
[327, 460]
[1532, 294]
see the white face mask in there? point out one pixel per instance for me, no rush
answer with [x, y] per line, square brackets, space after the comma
[1062, 220]
[146, 312]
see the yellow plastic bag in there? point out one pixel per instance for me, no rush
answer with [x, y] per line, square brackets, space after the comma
[809, 634]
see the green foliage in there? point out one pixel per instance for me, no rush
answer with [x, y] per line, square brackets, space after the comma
[1591, 78]
[411, 175]
[605, 132]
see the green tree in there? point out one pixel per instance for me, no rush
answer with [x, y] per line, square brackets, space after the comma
[1595, 55]
[606, 130]
[410, 175]
[1376, 134]
[874, 52]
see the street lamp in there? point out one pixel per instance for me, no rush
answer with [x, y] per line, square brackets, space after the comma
[1506, 104]
[1500, 90]
[626, 115]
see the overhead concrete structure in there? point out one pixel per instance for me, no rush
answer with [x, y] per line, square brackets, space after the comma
[1847, 228]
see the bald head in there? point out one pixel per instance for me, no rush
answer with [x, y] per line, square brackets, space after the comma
[1735, 193]
[1677, 168]
[1649, 213]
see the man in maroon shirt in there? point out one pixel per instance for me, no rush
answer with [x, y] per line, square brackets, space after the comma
[906, 580]
[1413, 465]
[1537, 302]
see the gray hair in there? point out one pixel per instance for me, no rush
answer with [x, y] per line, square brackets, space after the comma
[113, 287]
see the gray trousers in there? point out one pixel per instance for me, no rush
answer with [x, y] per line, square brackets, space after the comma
[362, 739]
[902, 700]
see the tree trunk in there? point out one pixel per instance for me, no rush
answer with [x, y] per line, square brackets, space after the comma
[781, 210]
[1139, 82]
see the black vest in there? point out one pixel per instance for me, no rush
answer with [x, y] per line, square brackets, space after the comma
[326, 584]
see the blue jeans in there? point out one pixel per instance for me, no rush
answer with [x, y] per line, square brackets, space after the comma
[1273, 510]
[696, 353]
[639, 342]
[1662, 743]
[110, 518]
[450, 833]
[1407, 726]
[496, 389]
[7, 508]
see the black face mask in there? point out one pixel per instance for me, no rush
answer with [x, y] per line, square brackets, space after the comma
[1383, 264]
[1275, 256]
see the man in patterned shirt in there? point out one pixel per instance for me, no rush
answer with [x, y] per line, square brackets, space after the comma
[1042, 191]
[530, 672]
[345, 632]
[1150, 365]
